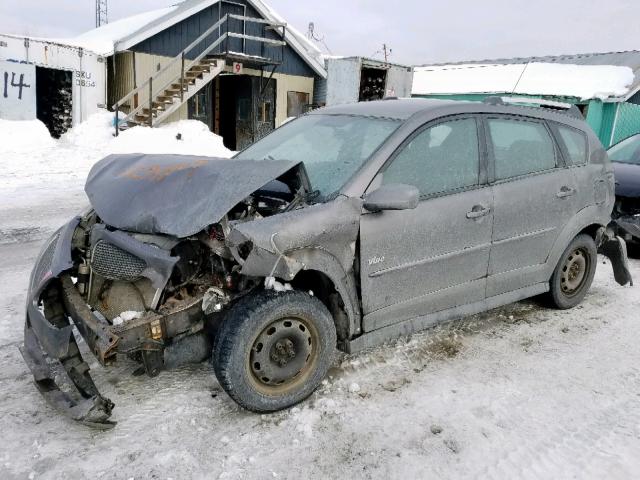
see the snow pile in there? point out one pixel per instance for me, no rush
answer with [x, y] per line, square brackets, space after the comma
[95, 133]
[23, 136]
[127, 316]
[33, 166]
[186, 137]
[580, 81]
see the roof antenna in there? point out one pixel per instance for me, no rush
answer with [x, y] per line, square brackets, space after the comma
[101, 13]
[311, 34]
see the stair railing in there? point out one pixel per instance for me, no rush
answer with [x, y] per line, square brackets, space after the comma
[185, 67]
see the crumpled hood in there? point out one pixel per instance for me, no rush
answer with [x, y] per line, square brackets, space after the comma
[627, 179]
[174, 194]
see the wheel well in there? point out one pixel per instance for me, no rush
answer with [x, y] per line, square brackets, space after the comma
[591, 230]
[324, 289]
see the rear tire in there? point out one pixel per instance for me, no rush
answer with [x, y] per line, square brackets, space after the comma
[274, 349]
[574, 273]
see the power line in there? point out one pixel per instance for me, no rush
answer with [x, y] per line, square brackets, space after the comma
[102, 17]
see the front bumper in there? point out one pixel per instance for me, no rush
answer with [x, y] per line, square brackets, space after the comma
[50, 349]
[55, 307]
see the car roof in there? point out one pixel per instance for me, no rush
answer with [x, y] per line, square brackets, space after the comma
[397, 108]
[426, 108]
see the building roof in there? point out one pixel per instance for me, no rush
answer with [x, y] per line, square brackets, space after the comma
[612, 76]
[127, 32]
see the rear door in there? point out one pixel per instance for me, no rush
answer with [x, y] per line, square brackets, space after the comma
[422, 261]
[594, 181]
[534, 198]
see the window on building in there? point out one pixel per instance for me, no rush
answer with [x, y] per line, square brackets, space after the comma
[244, 109]
[576, 144]
[265, 112]
[520, 147]
[439, 159]
[297, 103]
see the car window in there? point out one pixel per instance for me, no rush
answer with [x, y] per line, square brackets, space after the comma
[520, 147]
[576, 144]
[332, 147]
[439, 159]
[627, 151]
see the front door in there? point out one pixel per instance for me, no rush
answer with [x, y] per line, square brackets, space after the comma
[534, 198]
[422, 261]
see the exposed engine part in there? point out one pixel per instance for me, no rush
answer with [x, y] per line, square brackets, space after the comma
[84, 273]
[214, 300]
[111, 298]
[190, 262]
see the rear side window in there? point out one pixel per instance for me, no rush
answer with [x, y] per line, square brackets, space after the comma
[520, 147]
[575, 143]
[439, 159]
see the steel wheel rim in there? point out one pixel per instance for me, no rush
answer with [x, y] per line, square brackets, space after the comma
[574, 272]
[283, 355]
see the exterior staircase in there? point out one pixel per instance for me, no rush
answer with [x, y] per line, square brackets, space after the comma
[176, 94]
[183, 76]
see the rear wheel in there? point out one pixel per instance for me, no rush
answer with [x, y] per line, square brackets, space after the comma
[274, 349]
[574, 273]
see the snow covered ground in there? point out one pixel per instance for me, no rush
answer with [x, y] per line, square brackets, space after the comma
[520, 392]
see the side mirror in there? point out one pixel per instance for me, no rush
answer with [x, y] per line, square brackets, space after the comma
[395, 196]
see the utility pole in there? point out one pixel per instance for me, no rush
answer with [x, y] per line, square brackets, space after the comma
[101, 13]
[387, 52]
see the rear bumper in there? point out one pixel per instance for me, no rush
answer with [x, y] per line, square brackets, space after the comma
[612, 245]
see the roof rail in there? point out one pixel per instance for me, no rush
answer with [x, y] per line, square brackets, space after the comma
[562, 107]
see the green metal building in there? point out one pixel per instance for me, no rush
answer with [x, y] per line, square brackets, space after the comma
[604, 86]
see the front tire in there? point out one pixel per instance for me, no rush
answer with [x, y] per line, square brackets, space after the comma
[274, 349]
[574, 273]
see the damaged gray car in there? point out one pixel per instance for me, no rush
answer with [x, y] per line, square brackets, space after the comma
[345, 228]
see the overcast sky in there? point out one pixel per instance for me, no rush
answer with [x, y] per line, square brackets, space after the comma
[418, 31]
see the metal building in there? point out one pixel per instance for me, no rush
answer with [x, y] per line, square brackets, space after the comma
[613, 113]
[359, 79]
[58, 83]
[235, 65]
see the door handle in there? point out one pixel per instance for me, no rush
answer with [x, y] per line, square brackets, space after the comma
[565, 192]
[478, 211]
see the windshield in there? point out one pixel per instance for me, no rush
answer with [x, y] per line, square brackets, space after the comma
[332, 147]
[627, 151]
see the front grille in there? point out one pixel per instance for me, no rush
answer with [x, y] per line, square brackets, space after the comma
[45, 260]
[114, 263]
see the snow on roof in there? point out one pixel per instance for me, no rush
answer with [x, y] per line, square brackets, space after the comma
[103, 40]
[536, 78]
[123, 34]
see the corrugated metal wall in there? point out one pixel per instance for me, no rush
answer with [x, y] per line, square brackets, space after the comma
[320, 91]
[343, 80]
[399, 81]
[120, 76]
[627, 122]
